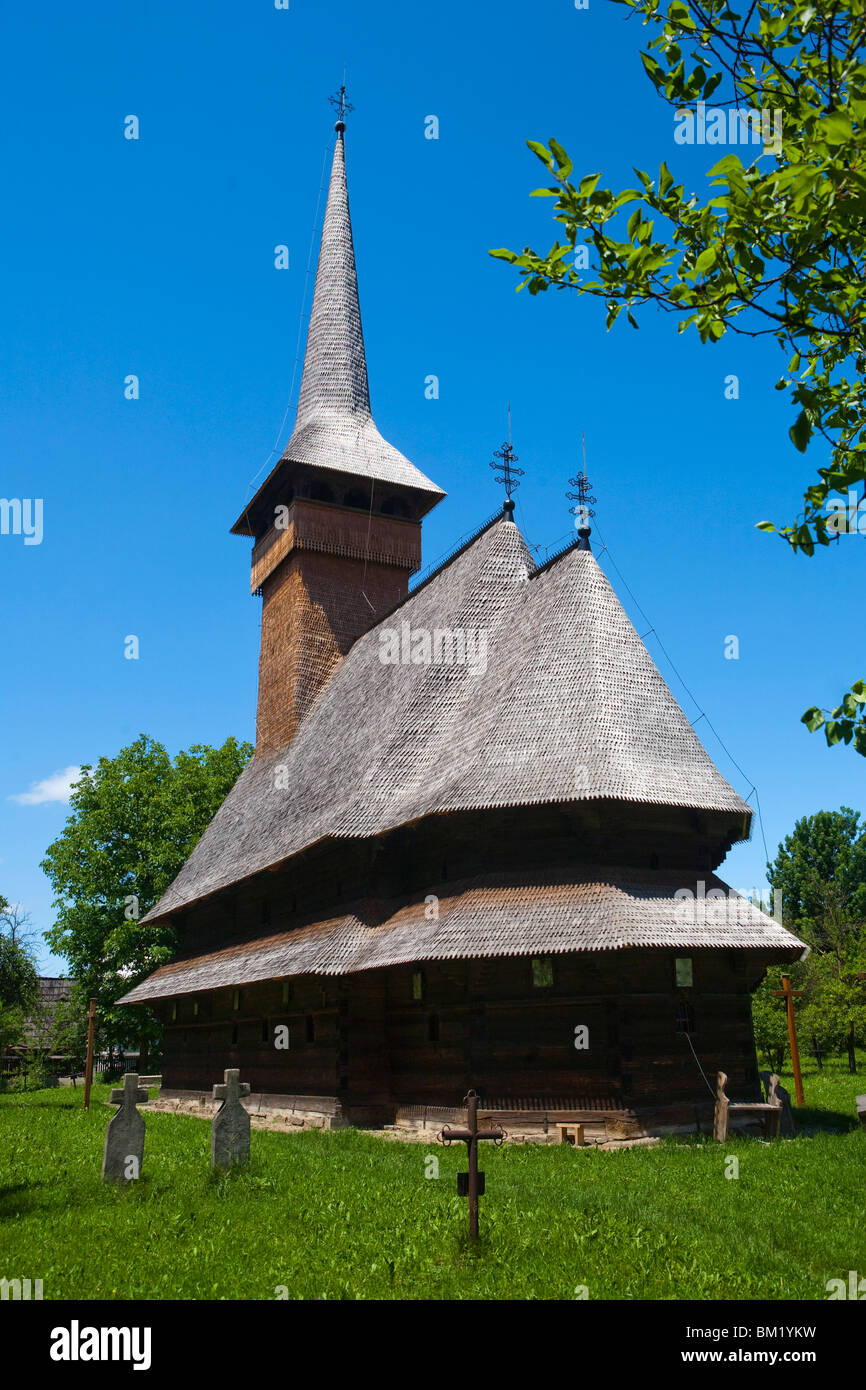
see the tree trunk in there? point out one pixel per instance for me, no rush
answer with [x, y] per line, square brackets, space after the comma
[852, 1060]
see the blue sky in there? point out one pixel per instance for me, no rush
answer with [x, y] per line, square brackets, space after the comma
[156, 257]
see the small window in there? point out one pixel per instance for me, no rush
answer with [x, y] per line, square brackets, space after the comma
[195, 1008]
[418, 984]
[174, 1013]
[433, 1028]
[685, 1017]
[236, 1000]
[311, 1028]
[542, 973]
[683, 971]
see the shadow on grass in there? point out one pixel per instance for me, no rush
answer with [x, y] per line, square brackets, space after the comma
[43, 1104]
[824, 1121]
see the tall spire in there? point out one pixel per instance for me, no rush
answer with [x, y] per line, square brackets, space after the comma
[335, 365]
[334, 426]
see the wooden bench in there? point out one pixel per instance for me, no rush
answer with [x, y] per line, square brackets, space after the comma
[770, 1111]
[576, 1130]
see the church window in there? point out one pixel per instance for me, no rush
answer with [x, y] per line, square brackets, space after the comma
[418, 984]
[236, 1000]
[174, 1013]
[683, 971]
[195, 1008]
[542, 972]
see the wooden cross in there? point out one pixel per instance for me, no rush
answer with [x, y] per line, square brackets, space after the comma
[130, 1094]
[470, 1137]
[789, 995]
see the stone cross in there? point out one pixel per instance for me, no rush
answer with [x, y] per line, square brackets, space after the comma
[230, 1128]
[124, 1137]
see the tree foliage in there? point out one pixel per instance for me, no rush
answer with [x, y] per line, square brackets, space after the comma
[820, 871]
[776, 246]
[135, 820]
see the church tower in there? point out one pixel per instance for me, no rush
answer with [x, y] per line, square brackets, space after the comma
[337, 524]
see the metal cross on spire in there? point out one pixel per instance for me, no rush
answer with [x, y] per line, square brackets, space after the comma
[504, 460]
[339, 101]
[583, 511]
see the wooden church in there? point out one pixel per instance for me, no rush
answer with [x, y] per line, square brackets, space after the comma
[476, 844]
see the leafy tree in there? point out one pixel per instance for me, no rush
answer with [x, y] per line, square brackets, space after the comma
[12, 1031]
[820, 871]
[135, 820]
[775, 246]
[19, 983]
[19, 979]
[770, 1020]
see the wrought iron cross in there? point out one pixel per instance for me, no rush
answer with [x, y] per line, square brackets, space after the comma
[504, 460]
[474, 1187]
[339, 101]
[581, 497]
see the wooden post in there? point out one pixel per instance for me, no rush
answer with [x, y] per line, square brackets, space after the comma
[789, 995]
[472, 1126]
[720, 1115]
[88, 1069]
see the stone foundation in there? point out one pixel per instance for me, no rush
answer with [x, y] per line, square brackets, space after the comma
[603, 1129]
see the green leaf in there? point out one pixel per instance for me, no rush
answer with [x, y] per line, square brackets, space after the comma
[542, 152]
[765, 526]
[800, 432]
[588, 185]
[562, 159]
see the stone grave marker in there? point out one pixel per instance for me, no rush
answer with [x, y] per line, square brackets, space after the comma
[124, 1137]
[230, 1128]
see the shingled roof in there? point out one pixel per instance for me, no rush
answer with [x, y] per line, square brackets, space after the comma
[568, 706]
[334, 426]
[508, 915]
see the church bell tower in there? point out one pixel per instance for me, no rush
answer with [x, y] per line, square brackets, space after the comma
[337, 524]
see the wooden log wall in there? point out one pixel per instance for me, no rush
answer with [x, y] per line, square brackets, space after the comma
[421, 1035]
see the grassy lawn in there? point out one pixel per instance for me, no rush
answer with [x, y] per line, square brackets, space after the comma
[350, 1215]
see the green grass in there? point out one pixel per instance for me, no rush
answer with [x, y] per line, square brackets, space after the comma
[349, 1215]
